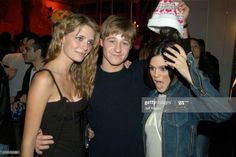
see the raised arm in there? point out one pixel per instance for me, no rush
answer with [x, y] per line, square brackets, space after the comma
[185, 12]
[200, 86]
[179, 62]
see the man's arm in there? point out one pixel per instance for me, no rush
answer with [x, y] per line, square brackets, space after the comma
[42, 142]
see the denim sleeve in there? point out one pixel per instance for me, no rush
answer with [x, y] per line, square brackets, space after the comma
[217, 107]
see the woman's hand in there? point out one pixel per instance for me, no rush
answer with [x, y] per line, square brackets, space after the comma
[179, 62]
[183, 8]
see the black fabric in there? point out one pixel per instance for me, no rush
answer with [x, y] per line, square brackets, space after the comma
[6, 129]
[115, 113]
[66, 122]
[209, 64]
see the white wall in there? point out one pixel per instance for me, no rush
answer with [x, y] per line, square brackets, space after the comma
[215, 22]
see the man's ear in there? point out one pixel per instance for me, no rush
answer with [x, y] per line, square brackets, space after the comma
[101, 42]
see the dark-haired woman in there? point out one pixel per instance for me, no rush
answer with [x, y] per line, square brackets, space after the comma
[170, 128]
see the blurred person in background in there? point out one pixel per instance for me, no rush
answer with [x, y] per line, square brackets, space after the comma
[6, 128]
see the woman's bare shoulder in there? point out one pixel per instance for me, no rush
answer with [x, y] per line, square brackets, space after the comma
[43, 77]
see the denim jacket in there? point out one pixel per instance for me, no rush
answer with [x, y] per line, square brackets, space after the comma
[179, 129]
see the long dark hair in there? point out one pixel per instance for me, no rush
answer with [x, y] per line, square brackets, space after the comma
[208, 64]
[156, 51]
[169, 33]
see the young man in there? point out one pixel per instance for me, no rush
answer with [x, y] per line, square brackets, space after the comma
[115, 113]
[115, 106]
[34, 53]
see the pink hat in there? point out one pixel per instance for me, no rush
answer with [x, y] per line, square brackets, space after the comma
[166, 15]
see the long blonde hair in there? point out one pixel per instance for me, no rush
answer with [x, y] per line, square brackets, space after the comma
[82, 74]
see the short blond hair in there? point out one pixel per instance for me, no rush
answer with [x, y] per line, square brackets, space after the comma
[118, 25]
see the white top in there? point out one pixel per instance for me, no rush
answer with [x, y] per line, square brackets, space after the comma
[16, 61]
[153, 129]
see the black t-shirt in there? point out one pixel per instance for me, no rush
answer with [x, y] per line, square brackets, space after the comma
[115, 113]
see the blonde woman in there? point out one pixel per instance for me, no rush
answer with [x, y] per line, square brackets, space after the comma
[57, 99]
